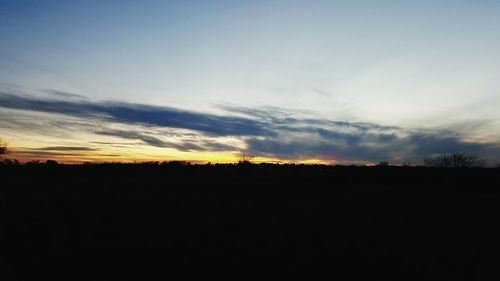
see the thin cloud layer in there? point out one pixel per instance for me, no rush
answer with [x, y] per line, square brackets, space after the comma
[266, 131]
[184, 145]
[66, 148]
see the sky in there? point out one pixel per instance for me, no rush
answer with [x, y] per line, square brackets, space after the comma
[294, 81]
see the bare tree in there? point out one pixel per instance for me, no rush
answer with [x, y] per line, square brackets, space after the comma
[245, 159]
[455, 160]
[3, 147]
[383, 164]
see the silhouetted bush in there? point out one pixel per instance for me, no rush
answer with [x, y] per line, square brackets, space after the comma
[9, 162]
[455, 160]
[51, 163]
[176, 163]
[150, 163]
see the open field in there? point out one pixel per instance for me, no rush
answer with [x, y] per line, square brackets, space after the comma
[105, 222]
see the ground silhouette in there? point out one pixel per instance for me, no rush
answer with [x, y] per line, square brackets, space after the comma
[111, 222]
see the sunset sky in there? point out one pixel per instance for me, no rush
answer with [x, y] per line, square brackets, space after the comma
[294, 81]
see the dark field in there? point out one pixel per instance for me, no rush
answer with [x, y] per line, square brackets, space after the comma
[103, 222]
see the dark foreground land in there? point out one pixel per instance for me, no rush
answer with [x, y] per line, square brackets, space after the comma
[104, 222]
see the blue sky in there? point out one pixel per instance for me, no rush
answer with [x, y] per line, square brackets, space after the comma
[425, 67]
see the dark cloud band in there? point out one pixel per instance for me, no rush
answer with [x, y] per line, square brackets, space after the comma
[140, 114]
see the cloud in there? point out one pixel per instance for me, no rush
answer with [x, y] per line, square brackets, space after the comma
[427, 143]
[66, 148]
[322, 92]
[264, 131]
[267, 113]
[80, 153]
[135, 136]
[182, 145]
[332, 145]
[286, 117]
[305, 138]
[37, 153]
[66, 95]
[131, 113]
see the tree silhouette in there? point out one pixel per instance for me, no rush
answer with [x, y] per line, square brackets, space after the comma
[245, 159]
[3, 147]
[51, 162]
[455, 160]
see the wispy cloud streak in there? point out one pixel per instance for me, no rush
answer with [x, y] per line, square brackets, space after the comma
[139, 114]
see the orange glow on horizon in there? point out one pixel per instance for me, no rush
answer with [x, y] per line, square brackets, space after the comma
[152, 155]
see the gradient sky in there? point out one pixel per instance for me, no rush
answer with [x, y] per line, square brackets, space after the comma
[310, 81]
